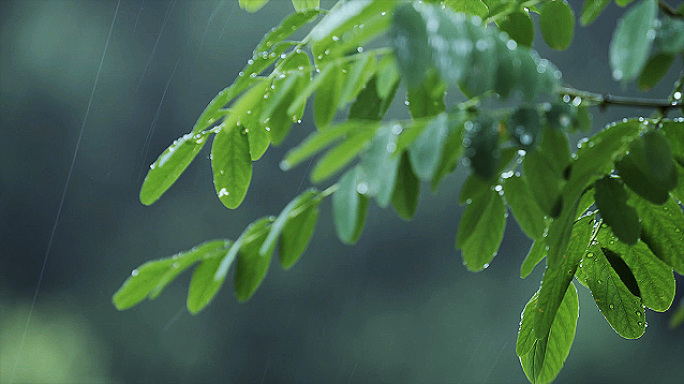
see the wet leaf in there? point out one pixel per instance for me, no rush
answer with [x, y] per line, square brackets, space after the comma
[232, 166]
[592, 9]
[303, 5]
[653, 276]
[339, 156]
[349, 208]
[251, 266]
[328, 93]
[149, 279]
[662, 227]
[170, 165]
[278, 225]
[654, 70]
[611, 200]
[557, 24]
[297, 233]
[519, 27]
[203, 286]
[557, 278]
[623, 311]
[546, 357]
[524, 126]
[481, 229]
[632, 39]
[252, 5]
[406, 190]
[378, 165]
[426, 151]
[427, 98]
[410, 40]
[534, 256]
[482, 146]
[528, 214]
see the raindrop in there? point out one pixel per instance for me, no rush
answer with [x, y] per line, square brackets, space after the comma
[526, 139]
[134, 272]
[511, 44]
[397, 129]
[223, 192]
[241, 74]
[359, 49]
[285, 165]
[391, 147]
[677, 95]
[335, 38]
[498, 188]
[617, 74]
[362, 188]
[577, 101]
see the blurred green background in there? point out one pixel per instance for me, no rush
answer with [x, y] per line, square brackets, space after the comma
[397, 307]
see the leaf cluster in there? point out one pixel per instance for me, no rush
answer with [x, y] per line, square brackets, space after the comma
[608, 214]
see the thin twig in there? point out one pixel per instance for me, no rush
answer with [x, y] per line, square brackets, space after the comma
[608, 99]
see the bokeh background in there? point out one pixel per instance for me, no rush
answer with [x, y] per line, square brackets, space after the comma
[397, 307]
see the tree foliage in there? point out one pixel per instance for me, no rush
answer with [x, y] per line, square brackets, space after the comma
[608, 214]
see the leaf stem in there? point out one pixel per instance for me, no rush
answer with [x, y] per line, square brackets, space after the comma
[608, 99]
[667, 9]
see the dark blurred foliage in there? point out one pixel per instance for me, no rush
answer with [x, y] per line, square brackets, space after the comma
[397, 307]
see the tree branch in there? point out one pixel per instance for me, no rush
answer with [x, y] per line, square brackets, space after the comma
[608, 99]
[667, 9]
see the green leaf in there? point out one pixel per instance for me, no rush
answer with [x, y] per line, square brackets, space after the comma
[508, 72]
[203, 287]
[526, 337]
[426, 151]
[594, 159]
[482, 146]
[592, 9]
[611, 200]
[557, 278]
[526, 212]
[648, 169]
[170, 165]
[297, 233]
[406, 190]
[470, 7]
[387, 76]
[328, 94]
[378, 165]
[654, 70]
[278, 225]
[359, 74]
[410, 41]
[677, 318]
[252, 5]
[348, 25]
[232, 166]
[519, 27]
[670, 35]
[524, 126]
[561, 116]
[349, 208]
[674, 133]
[557, 24]
[481, 229]
[427, 98]
[339, 156]
[316, 142]
[653, 276]
[662, 227]
[632, 40]
[293, 76]
[619, 306]
[285, 29]
[482, 72]
[547, 356]
[304, 5]
[535, 255]
[451, 152]
[251, 266]
[545, 182]
[149, 279]
[369, 104]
